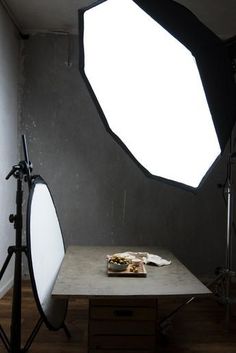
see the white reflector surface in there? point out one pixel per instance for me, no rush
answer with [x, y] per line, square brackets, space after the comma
[148, 86]
[47, 251]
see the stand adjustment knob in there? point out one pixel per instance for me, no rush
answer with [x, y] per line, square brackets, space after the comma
[12, 218]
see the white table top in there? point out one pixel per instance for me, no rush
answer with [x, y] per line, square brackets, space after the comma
[83, 274]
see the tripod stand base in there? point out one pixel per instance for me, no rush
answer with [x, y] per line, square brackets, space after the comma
[221, 291]
[4, 339]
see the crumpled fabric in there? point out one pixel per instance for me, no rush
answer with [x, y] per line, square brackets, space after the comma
[145, 257]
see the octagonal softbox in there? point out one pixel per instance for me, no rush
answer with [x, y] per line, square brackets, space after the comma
[162, 83]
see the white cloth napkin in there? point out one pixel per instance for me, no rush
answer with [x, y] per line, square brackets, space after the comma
[145, 257]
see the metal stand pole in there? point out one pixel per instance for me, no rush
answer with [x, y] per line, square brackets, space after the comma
[22, 172]
[228, 263]
[224, 280]
[224, 275]
[14, 344]
[15, 338]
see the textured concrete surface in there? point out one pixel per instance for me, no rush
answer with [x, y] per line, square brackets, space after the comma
[83, 274]
[101, 196]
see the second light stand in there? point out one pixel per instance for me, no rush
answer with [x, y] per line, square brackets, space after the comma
[221, 284]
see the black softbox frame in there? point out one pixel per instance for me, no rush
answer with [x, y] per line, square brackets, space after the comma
[212, 58]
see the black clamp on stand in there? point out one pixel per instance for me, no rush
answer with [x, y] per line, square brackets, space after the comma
[22, 172]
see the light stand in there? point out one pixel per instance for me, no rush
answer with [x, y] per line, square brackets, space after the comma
[22, 172]
[224, 275]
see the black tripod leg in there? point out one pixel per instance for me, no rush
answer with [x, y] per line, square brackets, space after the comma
[166, 320]
[220, 276]
[3, 335]
[32, 336]
[67, 332]
[4, 339]
[8, 258]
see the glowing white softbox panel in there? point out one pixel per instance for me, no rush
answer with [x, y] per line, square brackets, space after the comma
[150, 91]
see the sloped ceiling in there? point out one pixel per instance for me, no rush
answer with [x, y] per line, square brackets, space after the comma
[219, 16]
[61, 15]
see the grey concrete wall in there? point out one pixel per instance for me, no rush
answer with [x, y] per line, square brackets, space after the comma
[102, 197]
[9, 66]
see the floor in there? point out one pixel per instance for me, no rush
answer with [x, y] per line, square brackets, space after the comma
[198, 327]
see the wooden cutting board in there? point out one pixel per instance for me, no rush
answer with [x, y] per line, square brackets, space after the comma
[128, 273]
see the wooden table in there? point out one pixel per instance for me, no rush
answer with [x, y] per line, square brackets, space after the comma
[123, 310]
